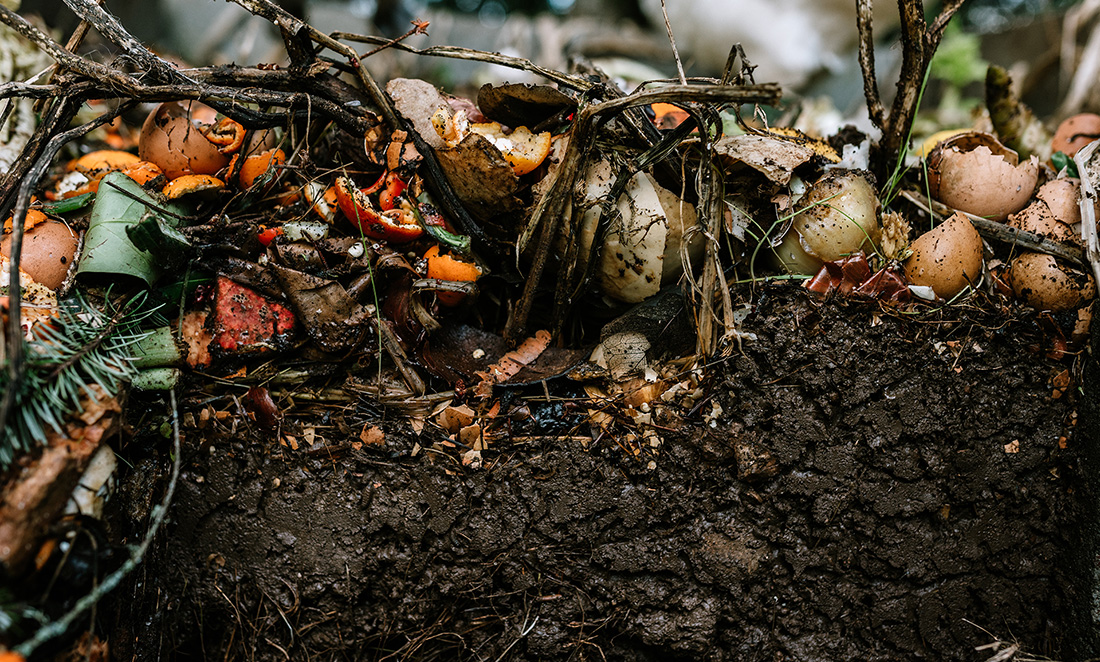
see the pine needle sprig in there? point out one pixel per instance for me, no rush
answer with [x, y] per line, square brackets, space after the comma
[82, 345]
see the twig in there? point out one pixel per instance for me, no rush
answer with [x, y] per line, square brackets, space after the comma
[919, 42]
[458, 53]
[419, 27]
[1003, 232]
[867, 62]
[672, 42]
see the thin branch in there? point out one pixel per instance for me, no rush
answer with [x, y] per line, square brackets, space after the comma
[672, 42]
[867, 63]
[459, 53]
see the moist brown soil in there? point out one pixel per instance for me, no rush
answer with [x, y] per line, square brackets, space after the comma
[895, 527]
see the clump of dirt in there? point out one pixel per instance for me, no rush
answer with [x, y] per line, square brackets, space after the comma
[876, 488]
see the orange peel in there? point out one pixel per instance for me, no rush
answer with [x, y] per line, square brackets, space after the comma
[256, 165]
[192, 184]
[443, 266]
[227, 134]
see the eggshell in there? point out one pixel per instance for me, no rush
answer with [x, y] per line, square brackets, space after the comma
[1042, 282]
[947, 258]
[1038, 218]
[1075, 132]
[1063, 198]
[48, 251]
[975, 173]
[171, 139]
[838, 216]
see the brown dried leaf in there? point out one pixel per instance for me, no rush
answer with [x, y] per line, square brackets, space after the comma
[774, 158]
[480, 176]
[522, 104]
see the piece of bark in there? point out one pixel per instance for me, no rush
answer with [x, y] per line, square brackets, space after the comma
[36, 494]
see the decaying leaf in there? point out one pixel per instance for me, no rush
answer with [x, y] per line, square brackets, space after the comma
[331, 318]
[522, 104]
[775, 158]
[481, 177]
[417, 100]
[108, 249]
[37, 492]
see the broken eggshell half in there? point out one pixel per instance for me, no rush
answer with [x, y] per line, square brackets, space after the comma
[975, 173]
[947, 258]
[172, 138]
[1044, 283]
[47, 254]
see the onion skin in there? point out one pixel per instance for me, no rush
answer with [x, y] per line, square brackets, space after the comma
[838, 216]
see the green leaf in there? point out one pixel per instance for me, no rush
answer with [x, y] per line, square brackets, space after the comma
[69, 204]
[108, 249]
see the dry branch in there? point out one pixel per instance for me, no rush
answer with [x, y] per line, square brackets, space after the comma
[919, 42]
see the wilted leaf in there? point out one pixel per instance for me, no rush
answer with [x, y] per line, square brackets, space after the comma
[522, 104]
[108, 248]
[331, 318]
[776, 159]
[481, 177]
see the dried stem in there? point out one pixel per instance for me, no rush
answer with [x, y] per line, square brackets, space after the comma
[919, 42]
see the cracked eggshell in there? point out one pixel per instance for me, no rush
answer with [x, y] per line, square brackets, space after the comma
[1063, 198]
[171, 137]
[47, 253]
[642, 251]
[975, 173]
[1042, 282]
[838, 216]
[947, 258]
[1038, 218]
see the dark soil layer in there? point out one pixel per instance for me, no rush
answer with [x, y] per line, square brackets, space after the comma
[896, 527]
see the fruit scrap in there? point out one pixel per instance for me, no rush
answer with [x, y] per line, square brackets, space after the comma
[393, 225]
[256, 166]
[522, 149]
[246, 322]
[450, 268]
[511, 363]
[191, 185]
[227, 134]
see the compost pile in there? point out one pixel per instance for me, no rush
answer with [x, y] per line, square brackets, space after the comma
[554, 371]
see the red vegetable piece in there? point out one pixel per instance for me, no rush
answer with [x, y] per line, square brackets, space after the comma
[394, 187]
[246, 322]
[258, 401]
[268, 235]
